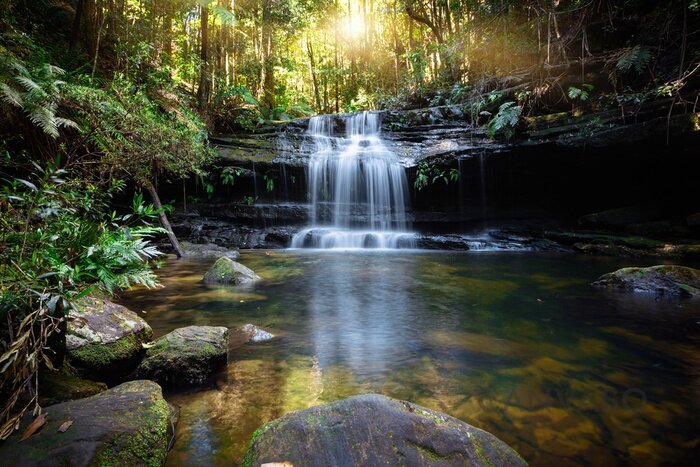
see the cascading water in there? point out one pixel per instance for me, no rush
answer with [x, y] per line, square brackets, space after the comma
[357, 188]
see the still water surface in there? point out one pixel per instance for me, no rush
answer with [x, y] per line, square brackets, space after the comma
[515, 343]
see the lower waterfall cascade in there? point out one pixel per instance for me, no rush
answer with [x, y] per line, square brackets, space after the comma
[357, 188]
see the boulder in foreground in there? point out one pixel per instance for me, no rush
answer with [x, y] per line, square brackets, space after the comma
[130, 424]
[227, 271]
[372, 430]
[186, 357]
[104, 341]
[661, 280]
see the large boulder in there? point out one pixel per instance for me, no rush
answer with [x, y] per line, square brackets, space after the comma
[104, 341]
[660, 280]
[227, 271]
[130, 424]
[186, 356]
[374, 430]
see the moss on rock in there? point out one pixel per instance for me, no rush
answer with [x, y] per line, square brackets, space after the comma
[105, 340]
[660, 280]
[62, 386]
[375, 430]
[130, 424]
[186, 356]
[227, 271]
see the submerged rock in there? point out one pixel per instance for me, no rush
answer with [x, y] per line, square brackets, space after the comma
[130, 424]
[208, 250]
[104, 341]
[227, 271]
[186, 356]
[375, 430]
[661, 280]
[256, 334]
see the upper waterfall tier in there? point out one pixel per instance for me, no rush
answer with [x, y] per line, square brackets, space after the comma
[356, 186]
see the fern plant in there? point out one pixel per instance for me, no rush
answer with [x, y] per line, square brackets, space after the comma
[581, 94]
[37, 93]
[505, 121]
[59, 243]
[629, 60]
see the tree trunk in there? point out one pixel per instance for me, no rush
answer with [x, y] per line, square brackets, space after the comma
[203, 90]
[312, 67]
[164, 220]
[76, 25]
[268, 84]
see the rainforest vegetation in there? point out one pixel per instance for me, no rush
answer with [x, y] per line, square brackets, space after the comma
[103, 101]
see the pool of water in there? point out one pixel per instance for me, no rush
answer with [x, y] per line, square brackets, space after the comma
[518, 344]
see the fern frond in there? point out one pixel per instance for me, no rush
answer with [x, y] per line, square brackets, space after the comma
[28, 83]
[11, 96]
[66, 123]
[43, 117]
[54, 70]
[20, 68]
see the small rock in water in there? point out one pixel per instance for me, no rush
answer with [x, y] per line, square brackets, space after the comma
[208, 250]
[256, 334]
[227, 271]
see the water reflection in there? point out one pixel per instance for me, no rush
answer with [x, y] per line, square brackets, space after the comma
[365, 320]
[517, 344]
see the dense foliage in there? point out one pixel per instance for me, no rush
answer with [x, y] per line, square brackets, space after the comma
[59, 242]
[247, 61]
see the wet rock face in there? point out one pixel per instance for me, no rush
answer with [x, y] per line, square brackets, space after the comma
[660, 280]
[227, 271]
[186, 357]
[104, 341]
[374, 430]
[130, 424]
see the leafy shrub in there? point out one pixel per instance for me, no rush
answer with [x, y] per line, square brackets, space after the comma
[132, 134]
[506, 120]
[631, 60]
[427, 174]
[581, 94]
[58, 243]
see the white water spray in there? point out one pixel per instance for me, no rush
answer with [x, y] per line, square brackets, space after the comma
[357, 188]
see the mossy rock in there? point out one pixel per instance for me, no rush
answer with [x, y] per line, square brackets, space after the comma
[186, 357]
[371, 430]
[660, 280]
[104, 341]
[130, 424]
[227, 271]
[60, 386]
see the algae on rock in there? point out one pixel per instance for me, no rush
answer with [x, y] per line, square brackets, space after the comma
[104, 341]
[227, 271]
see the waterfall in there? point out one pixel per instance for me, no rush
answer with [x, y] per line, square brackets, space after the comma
[356, 186]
